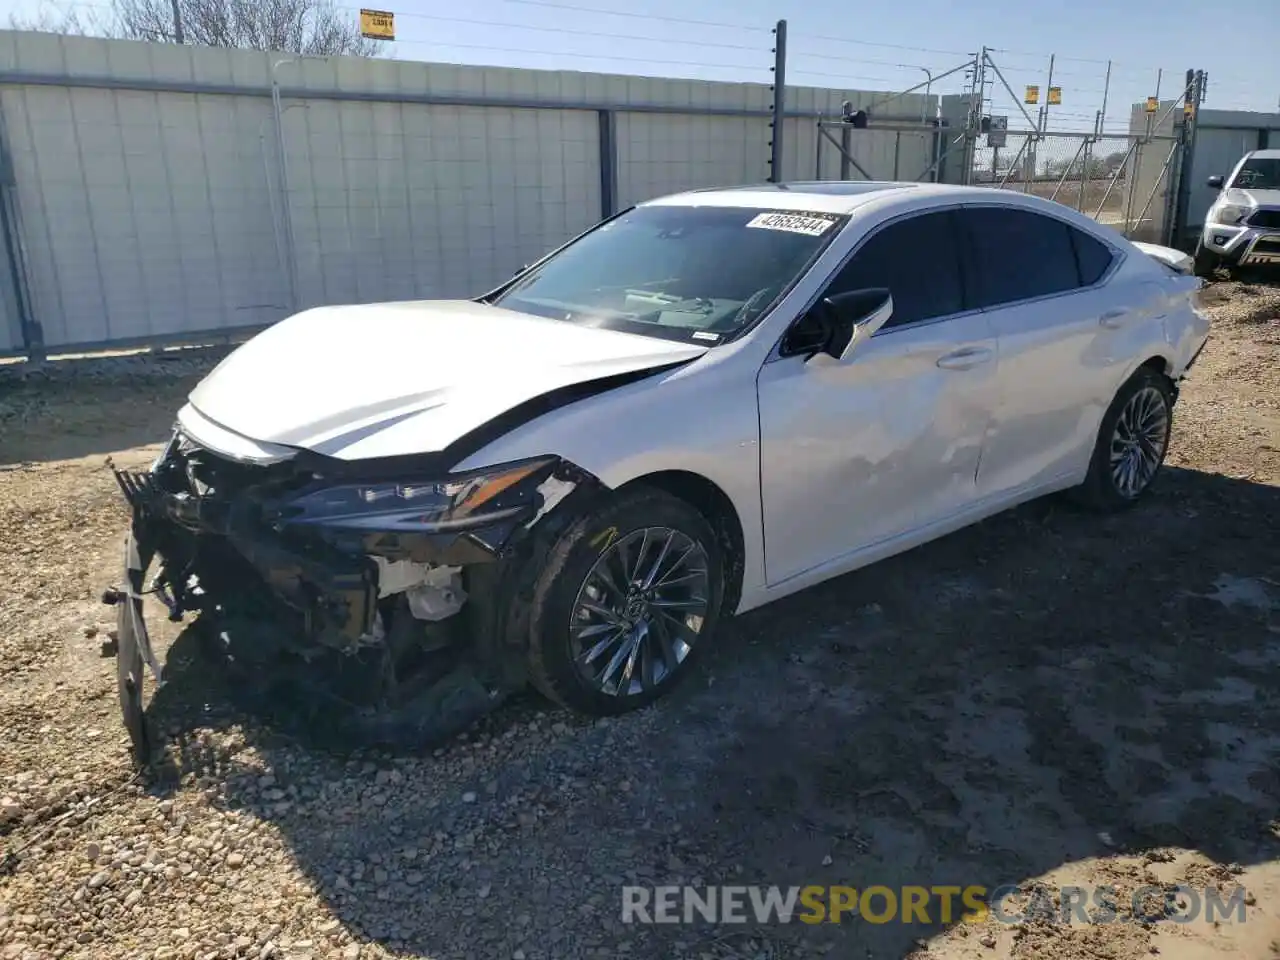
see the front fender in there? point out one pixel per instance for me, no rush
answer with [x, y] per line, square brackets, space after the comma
[701, 419]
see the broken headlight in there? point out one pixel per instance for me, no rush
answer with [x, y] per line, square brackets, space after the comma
[451, 503]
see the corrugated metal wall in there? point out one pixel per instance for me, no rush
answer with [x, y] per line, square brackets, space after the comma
[145, 214]
[10, 324]
[154, 203]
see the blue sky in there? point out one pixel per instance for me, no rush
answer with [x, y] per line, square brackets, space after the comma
[880, 46]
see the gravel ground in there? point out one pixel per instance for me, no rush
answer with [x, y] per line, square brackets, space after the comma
[1047, 697]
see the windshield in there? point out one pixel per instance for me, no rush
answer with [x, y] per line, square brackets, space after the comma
[682, 273]
[1259, 173]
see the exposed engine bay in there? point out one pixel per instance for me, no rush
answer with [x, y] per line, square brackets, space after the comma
[387, 599]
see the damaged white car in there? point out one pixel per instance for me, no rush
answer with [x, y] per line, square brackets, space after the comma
[701, 405]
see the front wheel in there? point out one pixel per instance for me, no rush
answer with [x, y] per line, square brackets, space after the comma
[628, 597]
[1132, 442]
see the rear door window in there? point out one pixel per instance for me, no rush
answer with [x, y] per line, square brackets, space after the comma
[1017, 255]
[1092, 256]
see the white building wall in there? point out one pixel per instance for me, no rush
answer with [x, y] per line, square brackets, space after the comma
[161, 213]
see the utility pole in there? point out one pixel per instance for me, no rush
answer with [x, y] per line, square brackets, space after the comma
[177, 23]
[1197, 82]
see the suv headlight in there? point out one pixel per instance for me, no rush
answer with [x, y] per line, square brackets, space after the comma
[427, 505]
[1230, 214]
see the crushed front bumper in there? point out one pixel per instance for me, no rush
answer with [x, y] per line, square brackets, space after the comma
[133, 645]
[315, 608]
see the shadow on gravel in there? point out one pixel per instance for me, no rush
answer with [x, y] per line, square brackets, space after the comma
[1045, 687]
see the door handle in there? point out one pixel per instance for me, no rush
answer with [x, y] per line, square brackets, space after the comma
[966, 358]
[1113, 318]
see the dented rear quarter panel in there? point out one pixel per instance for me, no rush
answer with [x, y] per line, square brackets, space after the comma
[1186, 323]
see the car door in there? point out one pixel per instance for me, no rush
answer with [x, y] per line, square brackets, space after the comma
[1038, 279]
[856, 452]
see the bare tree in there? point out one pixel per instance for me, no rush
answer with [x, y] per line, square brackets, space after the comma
[53, 18]
[317, 27]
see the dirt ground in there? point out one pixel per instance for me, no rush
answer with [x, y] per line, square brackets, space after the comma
[1048, 699]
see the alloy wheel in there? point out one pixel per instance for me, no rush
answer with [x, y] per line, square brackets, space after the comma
[640, 610]
[1139, 440]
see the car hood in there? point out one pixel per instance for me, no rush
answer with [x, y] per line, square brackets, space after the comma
[1256, 198]
[402, 378]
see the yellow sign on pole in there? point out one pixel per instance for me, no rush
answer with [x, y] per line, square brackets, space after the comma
[1032, 95]
[1188, 109]
[1055, 96]
[1153, 104]
[378, 24]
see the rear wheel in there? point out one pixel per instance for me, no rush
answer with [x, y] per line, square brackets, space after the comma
[1132, 442]
[628, 596]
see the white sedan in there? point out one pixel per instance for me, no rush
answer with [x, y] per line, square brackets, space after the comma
[705, 403]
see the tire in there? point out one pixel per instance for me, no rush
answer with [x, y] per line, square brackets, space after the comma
[1206, 262]
[1145, 399]
[581, 566]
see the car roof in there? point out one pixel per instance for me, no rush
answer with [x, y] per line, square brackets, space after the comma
[1263, 155]
[819, 196]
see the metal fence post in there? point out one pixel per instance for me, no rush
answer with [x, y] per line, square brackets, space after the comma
[817, 152]
[30, 331]
[779, 101]
[1131, 187]
[1194, 94]
[608, 164]
[285, 203]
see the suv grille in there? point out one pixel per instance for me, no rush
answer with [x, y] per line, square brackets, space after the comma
[1266, 218]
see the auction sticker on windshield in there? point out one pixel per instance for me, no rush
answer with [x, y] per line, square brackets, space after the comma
[815, 225]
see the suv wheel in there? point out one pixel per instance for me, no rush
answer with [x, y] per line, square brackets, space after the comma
[1206, 261]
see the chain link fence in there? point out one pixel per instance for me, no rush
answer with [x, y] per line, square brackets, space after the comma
[1080, 171]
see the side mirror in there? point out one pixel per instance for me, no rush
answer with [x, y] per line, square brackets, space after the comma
[1216, 181]
[853, 316]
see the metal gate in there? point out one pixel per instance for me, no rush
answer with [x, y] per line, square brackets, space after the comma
[1133, 181]
[857, 145]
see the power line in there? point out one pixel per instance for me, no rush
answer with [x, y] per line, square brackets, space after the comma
[1236, 88]
[578, 33]
[872, 43]
[1045, 56]
[640, 16]
[1057, 74]
[839, 59]
[582, 56]
[839, 79]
